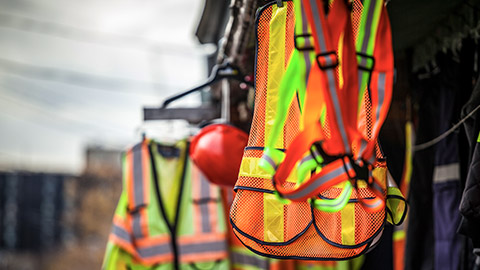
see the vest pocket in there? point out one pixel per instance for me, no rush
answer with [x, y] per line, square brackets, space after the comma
[261, 217]
[353, 226]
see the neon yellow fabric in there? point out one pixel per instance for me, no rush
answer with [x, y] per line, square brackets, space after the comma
[348, 224]
[118, 258]
[169, 189]
[249, 167]
[273, 219]
[395, 202]
[363, 80]
[276, 68]
[396, 205]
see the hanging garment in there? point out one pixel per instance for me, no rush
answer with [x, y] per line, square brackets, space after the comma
[169, 216]
[470, 202]
[446, 186]
[432, 241]
[294, 230]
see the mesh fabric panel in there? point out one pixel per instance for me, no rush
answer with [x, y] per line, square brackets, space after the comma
[254, 199]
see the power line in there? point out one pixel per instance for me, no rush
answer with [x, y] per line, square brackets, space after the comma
[78, 78]
[442, 136]
[64, 31]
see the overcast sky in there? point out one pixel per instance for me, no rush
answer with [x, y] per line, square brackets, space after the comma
[75, 73]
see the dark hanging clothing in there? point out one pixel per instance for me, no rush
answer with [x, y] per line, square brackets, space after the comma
[419, 239]
[446, 184]
[470, 204]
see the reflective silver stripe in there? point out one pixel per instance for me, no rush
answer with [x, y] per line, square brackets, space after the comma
[305, 159]
[121, 233]
[138, 191]
[330, 76]
[320, 181]
[368, 30]
[217, 246]
[306, 54]
[138, 175]
[377, 187]
[152, 251]
[318, 25]
[381, 93]
[137, 225]
[250, 260]
[377, 201]
[270, 161]
[449, 172]
[205, 195]
[338, 111]
[360, 74]
[363, 146]
[340, 200]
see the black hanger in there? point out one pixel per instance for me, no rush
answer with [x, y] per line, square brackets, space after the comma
[219, 72]
[280, 3]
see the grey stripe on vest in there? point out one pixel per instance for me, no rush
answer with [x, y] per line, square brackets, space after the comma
[306, 54]
[363, 146]
[320, 181]
[339, 200]
[138, 190]
[249, 260]
[137, 225]
[338, 111]
[185, 249]
[318, 25]
[306, 158]
[330, 76]
[444, 173]
[152, 251]
[381, 94]
[270, 161]
[205, 194]
[368, 30]
[138, 175]
[121, 233]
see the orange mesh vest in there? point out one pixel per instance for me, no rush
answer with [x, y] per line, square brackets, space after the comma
[259, 220]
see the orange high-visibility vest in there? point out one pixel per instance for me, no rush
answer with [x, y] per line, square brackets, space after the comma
[295, 230]
[179, 226]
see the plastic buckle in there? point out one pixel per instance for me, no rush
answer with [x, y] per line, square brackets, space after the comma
[367, 58]
[136, 209]
[306, 37]
[327, 56]
[361, 172]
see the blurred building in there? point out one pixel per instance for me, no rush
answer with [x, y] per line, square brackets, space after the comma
[59, 221]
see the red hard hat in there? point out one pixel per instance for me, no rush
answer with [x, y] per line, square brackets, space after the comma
[217, 151]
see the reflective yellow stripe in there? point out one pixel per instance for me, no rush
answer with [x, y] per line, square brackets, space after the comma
[276, 68]
[348, 224]
[340, 60]
[272, 219]
[250, 168]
